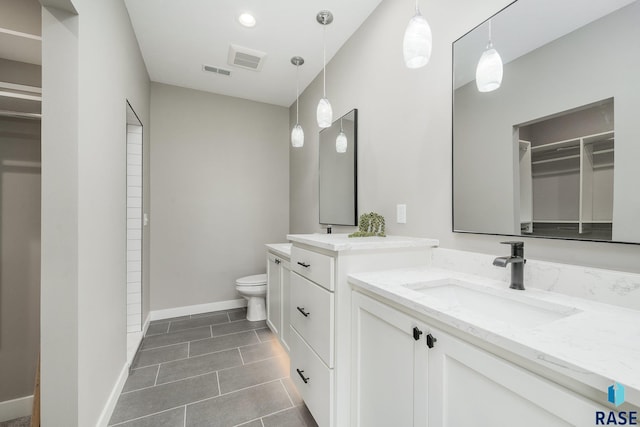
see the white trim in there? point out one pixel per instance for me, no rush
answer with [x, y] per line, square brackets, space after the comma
[168, 313]
[20, 34]
[25, 88]
[134, 339]
[105, 416]
[16, 408]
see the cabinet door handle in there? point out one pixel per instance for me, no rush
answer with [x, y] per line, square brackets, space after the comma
[301, 310]
[431, 340]
[301, 373]
[416, 333]
[277, 261]
[305, 265]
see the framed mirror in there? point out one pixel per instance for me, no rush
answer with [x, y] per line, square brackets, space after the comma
[554, 150]
[338, 171]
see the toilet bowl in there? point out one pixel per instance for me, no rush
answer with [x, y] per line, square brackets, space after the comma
[254, 289]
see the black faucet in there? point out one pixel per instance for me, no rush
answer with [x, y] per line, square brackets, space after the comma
[517, 264]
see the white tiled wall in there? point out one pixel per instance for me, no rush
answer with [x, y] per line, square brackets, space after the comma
[134, 228]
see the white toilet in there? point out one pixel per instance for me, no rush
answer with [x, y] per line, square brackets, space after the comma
[254, 289]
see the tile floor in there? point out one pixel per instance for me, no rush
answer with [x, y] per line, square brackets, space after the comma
[214, 369]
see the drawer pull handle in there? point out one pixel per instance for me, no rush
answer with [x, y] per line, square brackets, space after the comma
[416, 333]
[431, 340]
[277, 261]
[305, 265]
[301, 373]
[301, 310]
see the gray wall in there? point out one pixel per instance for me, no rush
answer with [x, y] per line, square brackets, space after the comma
[554, 78]
[19, 256]
[219, 182]
[91, 65]
[405, 135]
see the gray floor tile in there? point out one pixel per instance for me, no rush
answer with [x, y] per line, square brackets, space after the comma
[161, 355]
[158, 328]
[19, 422]
[224, 342]
[293, 391]
[265, 350]
[155, 322]
[176, 337]
[294, 417]
[238, 326]
[265, 335]
[254, 423]
[238, 407]
[171, 418]
[254, 373]
[141, 378]
[212, 319]
[198, 365]
[238, 314]
[148, 401]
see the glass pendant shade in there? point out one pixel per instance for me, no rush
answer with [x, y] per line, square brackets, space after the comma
[341, 143]
[417, 42]
[489, 70]
[324, 113]
[297, 136]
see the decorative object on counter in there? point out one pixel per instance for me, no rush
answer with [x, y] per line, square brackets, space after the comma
[417, 42]
[371, 224]
[297, 134]
[324, 113]
[328, 228]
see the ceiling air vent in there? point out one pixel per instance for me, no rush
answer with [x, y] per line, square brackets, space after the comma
[216, 70]
[245, 58]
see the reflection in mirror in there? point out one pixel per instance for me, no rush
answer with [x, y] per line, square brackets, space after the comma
[338, 173]
[553, 152]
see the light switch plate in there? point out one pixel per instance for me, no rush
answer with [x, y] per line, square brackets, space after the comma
[401, 214]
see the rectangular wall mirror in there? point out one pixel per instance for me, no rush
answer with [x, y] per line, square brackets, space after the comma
[554, 151]
[338, 171]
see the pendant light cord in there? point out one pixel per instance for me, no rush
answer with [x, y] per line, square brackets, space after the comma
[490, 41]
[324, 61]
[417, 8]
[297, 92]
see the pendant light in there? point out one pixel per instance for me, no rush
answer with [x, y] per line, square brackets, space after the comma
[341, 140]
[489, 69]
[417, 43]
[324, 113]
[297, 134]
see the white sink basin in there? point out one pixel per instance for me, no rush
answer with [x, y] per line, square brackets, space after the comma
[508, 306]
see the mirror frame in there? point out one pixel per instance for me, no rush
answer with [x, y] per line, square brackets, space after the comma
[355, 169]
[453, 90]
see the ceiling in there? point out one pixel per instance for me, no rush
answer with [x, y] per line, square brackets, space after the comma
[178, 37]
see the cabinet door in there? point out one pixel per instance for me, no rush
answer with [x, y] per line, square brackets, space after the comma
[274, 294]
[389, 367]
[286, 298]
[471, 387]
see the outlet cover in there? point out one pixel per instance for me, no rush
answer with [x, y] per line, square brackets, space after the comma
[401, 214]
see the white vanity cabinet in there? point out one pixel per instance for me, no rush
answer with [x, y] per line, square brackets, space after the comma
[320, 310]
[278, 293]
[454, 383]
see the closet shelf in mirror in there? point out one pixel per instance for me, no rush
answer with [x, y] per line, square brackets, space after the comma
[21, 47]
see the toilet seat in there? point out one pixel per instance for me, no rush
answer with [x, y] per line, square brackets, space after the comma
[255, 280]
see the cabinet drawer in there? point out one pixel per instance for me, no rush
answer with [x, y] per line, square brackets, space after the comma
[317, 390]
[311, 314]
[314, 266]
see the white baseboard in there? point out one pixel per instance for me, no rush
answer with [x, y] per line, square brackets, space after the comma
[133, 342]
[168, 313]
[105, 416]
[16, 408]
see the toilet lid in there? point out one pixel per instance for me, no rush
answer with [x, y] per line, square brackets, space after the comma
[256, 279]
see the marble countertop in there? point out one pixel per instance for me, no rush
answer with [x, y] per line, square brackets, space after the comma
[281, 249]
[597, 345]
[341, 242]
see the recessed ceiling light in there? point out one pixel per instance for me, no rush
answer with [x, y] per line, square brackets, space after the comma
[247, 20]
